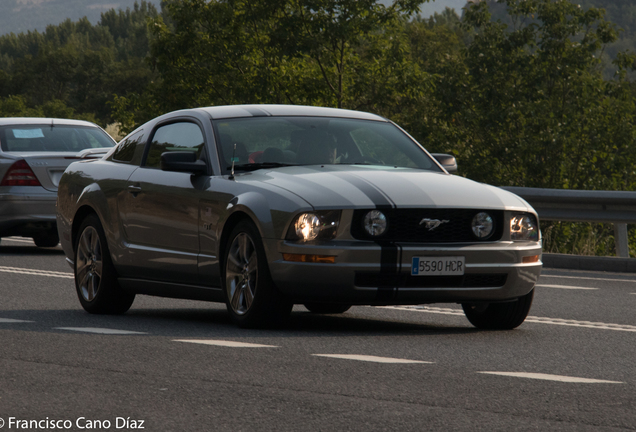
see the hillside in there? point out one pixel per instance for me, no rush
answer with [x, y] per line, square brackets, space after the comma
[623, 14]
[27, 15]
[620, 12]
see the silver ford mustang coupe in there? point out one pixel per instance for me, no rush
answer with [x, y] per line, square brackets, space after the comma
[266, 206]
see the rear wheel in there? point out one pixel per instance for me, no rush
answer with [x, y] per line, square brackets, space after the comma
[46, 239]
[499, 316]
[252, 299]
[327, 308]
[95, 276]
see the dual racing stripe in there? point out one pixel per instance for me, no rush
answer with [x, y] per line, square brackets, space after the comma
[390, 252]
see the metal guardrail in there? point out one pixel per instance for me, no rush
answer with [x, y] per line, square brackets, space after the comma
[615, 207]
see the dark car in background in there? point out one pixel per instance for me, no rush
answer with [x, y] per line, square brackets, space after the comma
[267, 206]
[34, 152]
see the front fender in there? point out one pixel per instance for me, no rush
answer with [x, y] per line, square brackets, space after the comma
[271, 214]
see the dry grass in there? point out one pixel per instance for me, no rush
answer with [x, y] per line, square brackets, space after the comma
[589, 239]
[114, 130]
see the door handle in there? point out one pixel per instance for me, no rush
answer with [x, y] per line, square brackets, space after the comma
[134, 190]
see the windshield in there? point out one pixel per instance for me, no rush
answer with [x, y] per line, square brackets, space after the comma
[265, 142]
[56, 138]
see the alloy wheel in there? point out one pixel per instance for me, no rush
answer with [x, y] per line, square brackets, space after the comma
[241, 273]
[89, 263]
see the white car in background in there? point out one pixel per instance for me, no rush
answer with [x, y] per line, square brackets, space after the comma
[34, 152]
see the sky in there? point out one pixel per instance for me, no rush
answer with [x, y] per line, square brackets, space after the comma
[438, 6]
[428, 9]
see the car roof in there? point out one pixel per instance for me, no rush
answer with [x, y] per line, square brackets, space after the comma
[264, 110]
[14, 121]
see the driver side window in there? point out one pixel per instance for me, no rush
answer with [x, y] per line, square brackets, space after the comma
[181, 136]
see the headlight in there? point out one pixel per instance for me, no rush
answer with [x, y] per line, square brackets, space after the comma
[307, 226]
[374, 223]
[523, 227]
[321, 225]
[482, 225]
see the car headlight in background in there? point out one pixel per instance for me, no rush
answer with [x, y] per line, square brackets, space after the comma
[318, 225]
[375, 223]
[483, 225]
[524, 227]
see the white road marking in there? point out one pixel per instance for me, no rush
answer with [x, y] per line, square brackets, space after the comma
[46, 273]
[370, 358]
[587, 324]
[225, 343]
[10, 321]
[18, 240]
[565, 287]
[428, 309]
[532, 319]
[549, 377]
[99, 330]
[588, 278]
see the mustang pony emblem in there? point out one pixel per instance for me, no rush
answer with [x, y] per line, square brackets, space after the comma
[431, 224]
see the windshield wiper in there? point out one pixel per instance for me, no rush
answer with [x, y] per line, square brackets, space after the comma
[260, 165]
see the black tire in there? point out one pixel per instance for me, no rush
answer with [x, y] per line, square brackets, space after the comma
[499, 316]
[47, 239]
[327, 308]
[95, 276]
[251, 297]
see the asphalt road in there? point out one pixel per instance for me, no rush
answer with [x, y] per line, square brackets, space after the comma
[173, 365]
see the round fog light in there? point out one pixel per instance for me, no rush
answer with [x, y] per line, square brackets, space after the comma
[375, 223]
[482, 225]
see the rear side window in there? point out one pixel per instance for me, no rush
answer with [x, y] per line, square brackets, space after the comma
[182, 136]
[56, 138]
[130, 150]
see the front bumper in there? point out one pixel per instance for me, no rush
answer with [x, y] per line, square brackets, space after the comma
[371, 274]
[25, 211]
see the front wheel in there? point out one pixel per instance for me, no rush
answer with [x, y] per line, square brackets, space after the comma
[499, 316]
[251, 297]
[95, 276]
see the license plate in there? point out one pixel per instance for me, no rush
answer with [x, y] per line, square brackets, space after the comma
[438, 266]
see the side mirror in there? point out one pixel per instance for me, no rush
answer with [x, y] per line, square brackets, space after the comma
[447, 161]
[183, 161]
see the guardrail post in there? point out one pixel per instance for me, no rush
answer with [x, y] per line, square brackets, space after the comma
[620, 239]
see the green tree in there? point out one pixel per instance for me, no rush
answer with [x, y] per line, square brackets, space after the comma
[342, 53]
[15, 106]
[437, 46]
[533, 108]
[78, 65]
[355, 46]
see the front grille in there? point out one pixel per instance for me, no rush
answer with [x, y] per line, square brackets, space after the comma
[404, 226]
[383, 280]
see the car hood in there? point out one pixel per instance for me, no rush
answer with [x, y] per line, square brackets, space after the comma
[346, 186]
